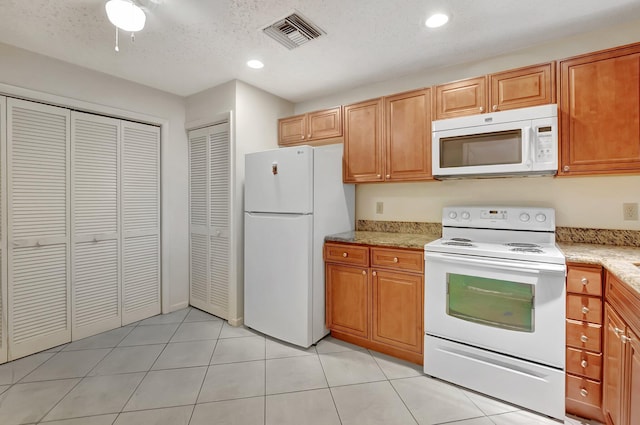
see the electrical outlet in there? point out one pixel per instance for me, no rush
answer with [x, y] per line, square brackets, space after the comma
[380, 208]
[630, 211]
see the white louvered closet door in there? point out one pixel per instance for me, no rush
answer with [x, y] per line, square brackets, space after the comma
[3, 231]
[210, 234]
[38, 166]
[95, 249]
[141, 221]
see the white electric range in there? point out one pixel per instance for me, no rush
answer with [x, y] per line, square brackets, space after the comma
[495, 305]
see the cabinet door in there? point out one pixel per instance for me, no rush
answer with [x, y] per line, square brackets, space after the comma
[363, 142]
[397, 309]
[348, 299]
[324, 124]
[599, 110]
[95, 217]
[140, 221]
[292, 130]
[465, 97]
[408, 136]
[632, 390]
[38, 170]
[523, 87]
[613, 365]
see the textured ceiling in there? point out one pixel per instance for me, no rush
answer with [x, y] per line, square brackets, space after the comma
[191, 45]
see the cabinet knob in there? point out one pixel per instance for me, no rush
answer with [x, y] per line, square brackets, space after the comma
[395, 259]
[584, 281]
[374, 273]
[309, 135]
[378, 175]
[565, 168]
[625, 339]
[585, 309]
[302, 137]
[482, 109]
[495, 107]
[584, 392]
[364, 272]
[584, 363]
[388, 176]
[584, 338]
[618, 331]
[344, 254]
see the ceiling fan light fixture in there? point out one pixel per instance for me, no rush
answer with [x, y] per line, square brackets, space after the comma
[255, 64]
[125, 15]
[437, 20]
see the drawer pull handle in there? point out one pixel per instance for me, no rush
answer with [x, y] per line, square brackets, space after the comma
[584, 392]
[584, 281]
[395, 259]
[584, 363]
[584, 338]
[344, 254]
[625, 339]
[585, 310]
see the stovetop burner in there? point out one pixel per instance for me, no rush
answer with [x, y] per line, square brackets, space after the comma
[455, 242]
[528, 250]
[523, 245]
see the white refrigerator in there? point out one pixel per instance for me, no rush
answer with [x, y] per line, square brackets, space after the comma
[294, 197]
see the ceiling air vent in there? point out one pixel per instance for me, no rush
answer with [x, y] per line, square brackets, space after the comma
[293, 31]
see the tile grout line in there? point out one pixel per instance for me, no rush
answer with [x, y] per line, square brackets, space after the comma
[149, 370]
[335, 406]
[204, 378]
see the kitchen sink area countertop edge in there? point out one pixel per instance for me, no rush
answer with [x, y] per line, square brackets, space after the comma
[394, 240]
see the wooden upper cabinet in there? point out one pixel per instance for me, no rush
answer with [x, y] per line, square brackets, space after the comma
[517, 88]
[523, 87]
[292, 130]
[408, 136]
[464, 97]
[363, 136]
[599, 110]
[310, 127]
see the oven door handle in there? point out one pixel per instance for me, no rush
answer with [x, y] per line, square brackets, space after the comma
[511, 265]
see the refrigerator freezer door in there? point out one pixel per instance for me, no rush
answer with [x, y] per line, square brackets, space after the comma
[277, 276]
[279, 181]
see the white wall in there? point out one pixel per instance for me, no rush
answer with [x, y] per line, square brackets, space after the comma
[46, 76]
[579, 201]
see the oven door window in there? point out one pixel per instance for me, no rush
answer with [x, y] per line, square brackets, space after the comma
[491, 302]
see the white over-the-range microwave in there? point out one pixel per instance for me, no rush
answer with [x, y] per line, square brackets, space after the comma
[518, 142]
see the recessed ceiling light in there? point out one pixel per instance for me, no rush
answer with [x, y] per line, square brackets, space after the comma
[255, 64]
[437, 20]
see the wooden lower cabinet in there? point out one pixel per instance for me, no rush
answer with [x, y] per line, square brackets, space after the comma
[378, 306]
[348, 289]
[621, 404]
[397, 309]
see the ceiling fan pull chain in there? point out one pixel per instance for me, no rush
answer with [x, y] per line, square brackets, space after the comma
[117, 48]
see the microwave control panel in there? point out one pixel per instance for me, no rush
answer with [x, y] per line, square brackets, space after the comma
[544, 144]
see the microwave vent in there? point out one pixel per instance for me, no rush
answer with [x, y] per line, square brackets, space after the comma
[293, 31]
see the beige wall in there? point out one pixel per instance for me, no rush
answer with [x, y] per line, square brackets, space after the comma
[579, 201]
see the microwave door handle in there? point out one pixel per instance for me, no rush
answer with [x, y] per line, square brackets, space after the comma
[527, 147]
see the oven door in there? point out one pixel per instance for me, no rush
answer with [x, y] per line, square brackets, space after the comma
[510, 307]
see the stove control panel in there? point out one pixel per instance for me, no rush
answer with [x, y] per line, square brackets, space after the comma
[512, 218]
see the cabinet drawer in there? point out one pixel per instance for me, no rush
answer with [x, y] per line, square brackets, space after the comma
[347, 254]
[584, 363]
[397, 259]
[584, 335]
[584, 390]
[582, 307]
[584, 280]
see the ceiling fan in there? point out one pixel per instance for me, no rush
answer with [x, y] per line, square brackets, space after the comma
[128, 15]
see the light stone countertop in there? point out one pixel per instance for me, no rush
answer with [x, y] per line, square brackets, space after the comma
[622, 261]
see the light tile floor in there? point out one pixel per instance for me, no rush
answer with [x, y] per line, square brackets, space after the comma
[191, 368]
